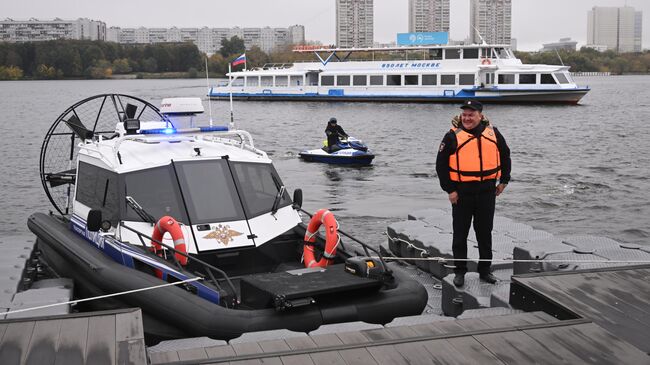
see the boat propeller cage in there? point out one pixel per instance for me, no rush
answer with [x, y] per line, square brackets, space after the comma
[85, 120]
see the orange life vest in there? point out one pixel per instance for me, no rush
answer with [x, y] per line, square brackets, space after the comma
[475, 159]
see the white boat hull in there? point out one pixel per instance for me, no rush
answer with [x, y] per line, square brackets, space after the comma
[560, 96]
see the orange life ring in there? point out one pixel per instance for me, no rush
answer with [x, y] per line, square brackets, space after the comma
[169, 224]
[486, 61]
[332, 239]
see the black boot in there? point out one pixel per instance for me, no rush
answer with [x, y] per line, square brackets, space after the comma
[488, 278]
[459, 280]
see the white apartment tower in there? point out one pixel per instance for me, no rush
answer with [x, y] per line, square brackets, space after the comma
[428, 16]
[618, 29]
[208, 40]
[354, 23]
[493, 19]
[35, 30]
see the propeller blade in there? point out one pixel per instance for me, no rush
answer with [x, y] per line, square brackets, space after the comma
[61, 178]
[78, 128]
[130, 111]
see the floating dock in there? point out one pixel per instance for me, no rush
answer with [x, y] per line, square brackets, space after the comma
[601, 331]
[583, 302]
[110, 337]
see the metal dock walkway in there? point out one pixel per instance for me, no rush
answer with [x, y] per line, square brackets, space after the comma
[110, 337]
[597, 316]
[616, 300]
[526, 338]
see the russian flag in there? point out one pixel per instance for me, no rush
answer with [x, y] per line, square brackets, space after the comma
[239, 60]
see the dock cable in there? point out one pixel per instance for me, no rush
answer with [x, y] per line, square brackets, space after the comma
[425, 256]
[443, 260]
[104, 296]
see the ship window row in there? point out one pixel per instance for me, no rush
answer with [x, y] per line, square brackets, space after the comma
[468, 53]
[398, 80]
[402, 80]
[269, 81]
[532, 78]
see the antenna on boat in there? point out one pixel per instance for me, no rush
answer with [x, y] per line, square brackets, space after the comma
[207, 83]
[558, 56]
[483, 43]
[232, 117]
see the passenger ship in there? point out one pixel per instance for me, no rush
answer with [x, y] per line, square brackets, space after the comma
[489, 73]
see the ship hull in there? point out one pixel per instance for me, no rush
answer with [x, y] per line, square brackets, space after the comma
[514, 96]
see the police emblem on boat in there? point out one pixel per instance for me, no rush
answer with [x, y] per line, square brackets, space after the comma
[223, 234]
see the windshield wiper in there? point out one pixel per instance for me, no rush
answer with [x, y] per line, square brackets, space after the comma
[278, 198]
[139, 210]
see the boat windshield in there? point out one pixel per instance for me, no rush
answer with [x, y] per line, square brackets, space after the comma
[156, 191]
[504, 53]
[258, 185]
[209, 191]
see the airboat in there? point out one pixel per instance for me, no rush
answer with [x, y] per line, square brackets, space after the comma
[141, 201]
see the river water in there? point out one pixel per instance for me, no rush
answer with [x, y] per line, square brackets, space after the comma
[576, 169]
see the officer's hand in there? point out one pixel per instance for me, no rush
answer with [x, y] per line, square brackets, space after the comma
[453, 197]
[500, 189]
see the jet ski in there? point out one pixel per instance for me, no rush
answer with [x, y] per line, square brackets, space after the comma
[347, 151]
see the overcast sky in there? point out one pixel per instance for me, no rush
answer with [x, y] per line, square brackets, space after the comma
[533, 21]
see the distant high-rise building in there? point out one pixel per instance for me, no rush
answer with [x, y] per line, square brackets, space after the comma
[208, 40]
[638, 30]
[354, 23]
[428, 15]
[492, 19]
[34, 30]
[297, 34]
[617, 28]
[513, 44]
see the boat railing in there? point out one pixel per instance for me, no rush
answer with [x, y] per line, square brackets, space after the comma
[210, 270]
[214, 134]
[245, 140]
[270, 66]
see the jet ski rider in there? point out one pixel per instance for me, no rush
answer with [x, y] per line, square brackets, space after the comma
[334, 134]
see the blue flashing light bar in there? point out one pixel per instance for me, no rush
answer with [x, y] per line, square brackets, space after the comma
[214, 128]
[159, 131]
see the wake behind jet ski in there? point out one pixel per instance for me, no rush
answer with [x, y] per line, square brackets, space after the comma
[339, 148]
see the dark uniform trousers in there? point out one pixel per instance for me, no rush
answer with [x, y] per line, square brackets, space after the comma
[479, 207]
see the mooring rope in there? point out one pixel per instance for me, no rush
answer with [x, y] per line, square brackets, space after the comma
[445, 259]
[424, 256]
[102, 296]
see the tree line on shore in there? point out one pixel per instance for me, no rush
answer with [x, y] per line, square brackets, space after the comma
[590, 60]
[77, 59]
[62, 59]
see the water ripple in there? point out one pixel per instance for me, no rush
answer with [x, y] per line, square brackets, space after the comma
[576, 169]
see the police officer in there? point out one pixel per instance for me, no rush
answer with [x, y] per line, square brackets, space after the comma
[473, 155]
[334, 133]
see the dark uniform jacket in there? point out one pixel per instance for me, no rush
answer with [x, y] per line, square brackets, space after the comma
[448, 147]
[334, 132]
